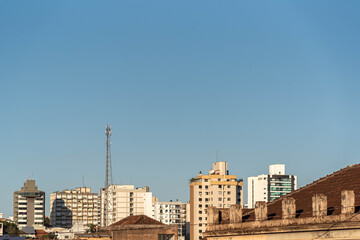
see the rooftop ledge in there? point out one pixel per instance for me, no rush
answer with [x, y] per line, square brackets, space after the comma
[286, 225]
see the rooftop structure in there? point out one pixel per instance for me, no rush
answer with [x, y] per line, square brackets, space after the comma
[140, 227]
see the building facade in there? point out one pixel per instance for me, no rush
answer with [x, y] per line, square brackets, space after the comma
[120, 201]
[172, 213]
[29, 206]
[218, 189]
[69, 207]
[270, 187]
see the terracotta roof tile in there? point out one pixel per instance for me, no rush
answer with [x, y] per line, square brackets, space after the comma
[137, 219]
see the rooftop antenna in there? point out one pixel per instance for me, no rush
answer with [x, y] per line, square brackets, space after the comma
[108, 175]
[83, 181]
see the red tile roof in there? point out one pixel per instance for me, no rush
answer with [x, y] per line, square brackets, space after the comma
[40, 233]
[345, 179]
[138, 219]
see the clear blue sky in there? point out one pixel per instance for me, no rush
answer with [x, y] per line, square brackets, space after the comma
[259, 81]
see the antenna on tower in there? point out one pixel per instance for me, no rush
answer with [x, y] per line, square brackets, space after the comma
[108, 175]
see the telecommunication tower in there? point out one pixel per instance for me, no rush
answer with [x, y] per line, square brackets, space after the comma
[108, 175]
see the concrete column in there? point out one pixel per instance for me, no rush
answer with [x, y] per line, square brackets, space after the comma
[288, 208]
[212, 215]
[319, 205]
[347, 201]
[235, 213]
[260, 211]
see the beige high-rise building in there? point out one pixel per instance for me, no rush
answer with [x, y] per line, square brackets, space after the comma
[120, 201]
[218, 189]
[69, 207]
[29, 206]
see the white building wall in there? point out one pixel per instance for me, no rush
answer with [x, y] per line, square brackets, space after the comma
[257, 190]
[124, 201]
[277, 169]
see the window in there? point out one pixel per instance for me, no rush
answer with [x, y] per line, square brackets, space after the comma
[228, 192]
[200, 218]
[200, 199]
[219, 179]
[228, 186]
[206, 187]
[229, 199]
[200, 187]
[220, 205]
[219, 198]
[200, 193]
[219, 186]
[200, 205]
[220, 192]
[200, 212]
[206, 180]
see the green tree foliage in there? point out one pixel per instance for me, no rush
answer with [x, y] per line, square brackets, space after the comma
[48, 236]
[47, 222]
[10, 228]
[92, 228]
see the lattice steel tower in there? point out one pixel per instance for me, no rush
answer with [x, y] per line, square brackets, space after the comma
[108, 175]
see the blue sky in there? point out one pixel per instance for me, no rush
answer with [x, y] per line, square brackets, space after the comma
[260, 82]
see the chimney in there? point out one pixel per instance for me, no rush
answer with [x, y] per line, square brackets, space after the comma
[347, 201]
[212, 215]
[319, 205]
[260, 211]
[288, 208]
[235, 213]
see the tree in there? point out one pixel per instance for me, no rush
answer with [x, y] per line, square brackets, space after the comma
[47, 222]
[92, 228]
[10, 228]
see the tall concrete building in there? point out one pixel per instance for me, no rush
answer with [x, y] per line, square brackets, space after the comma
[218, 189]
[29, 206]
[272, 186]
[120, 201]
[172, 213]
[69, 207]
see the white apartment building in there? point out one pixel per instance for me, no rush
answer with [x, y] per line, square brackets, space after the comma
[120, 201]
[218, 189]
[172, 213]
[70, 207]
[29, 206]
[272, 186]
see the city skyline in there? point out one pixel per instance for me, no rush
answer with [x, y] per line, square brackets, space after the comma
[260, 82]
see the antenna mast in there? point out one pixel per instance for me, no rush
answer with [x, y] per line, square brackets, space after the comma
[108, 175]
